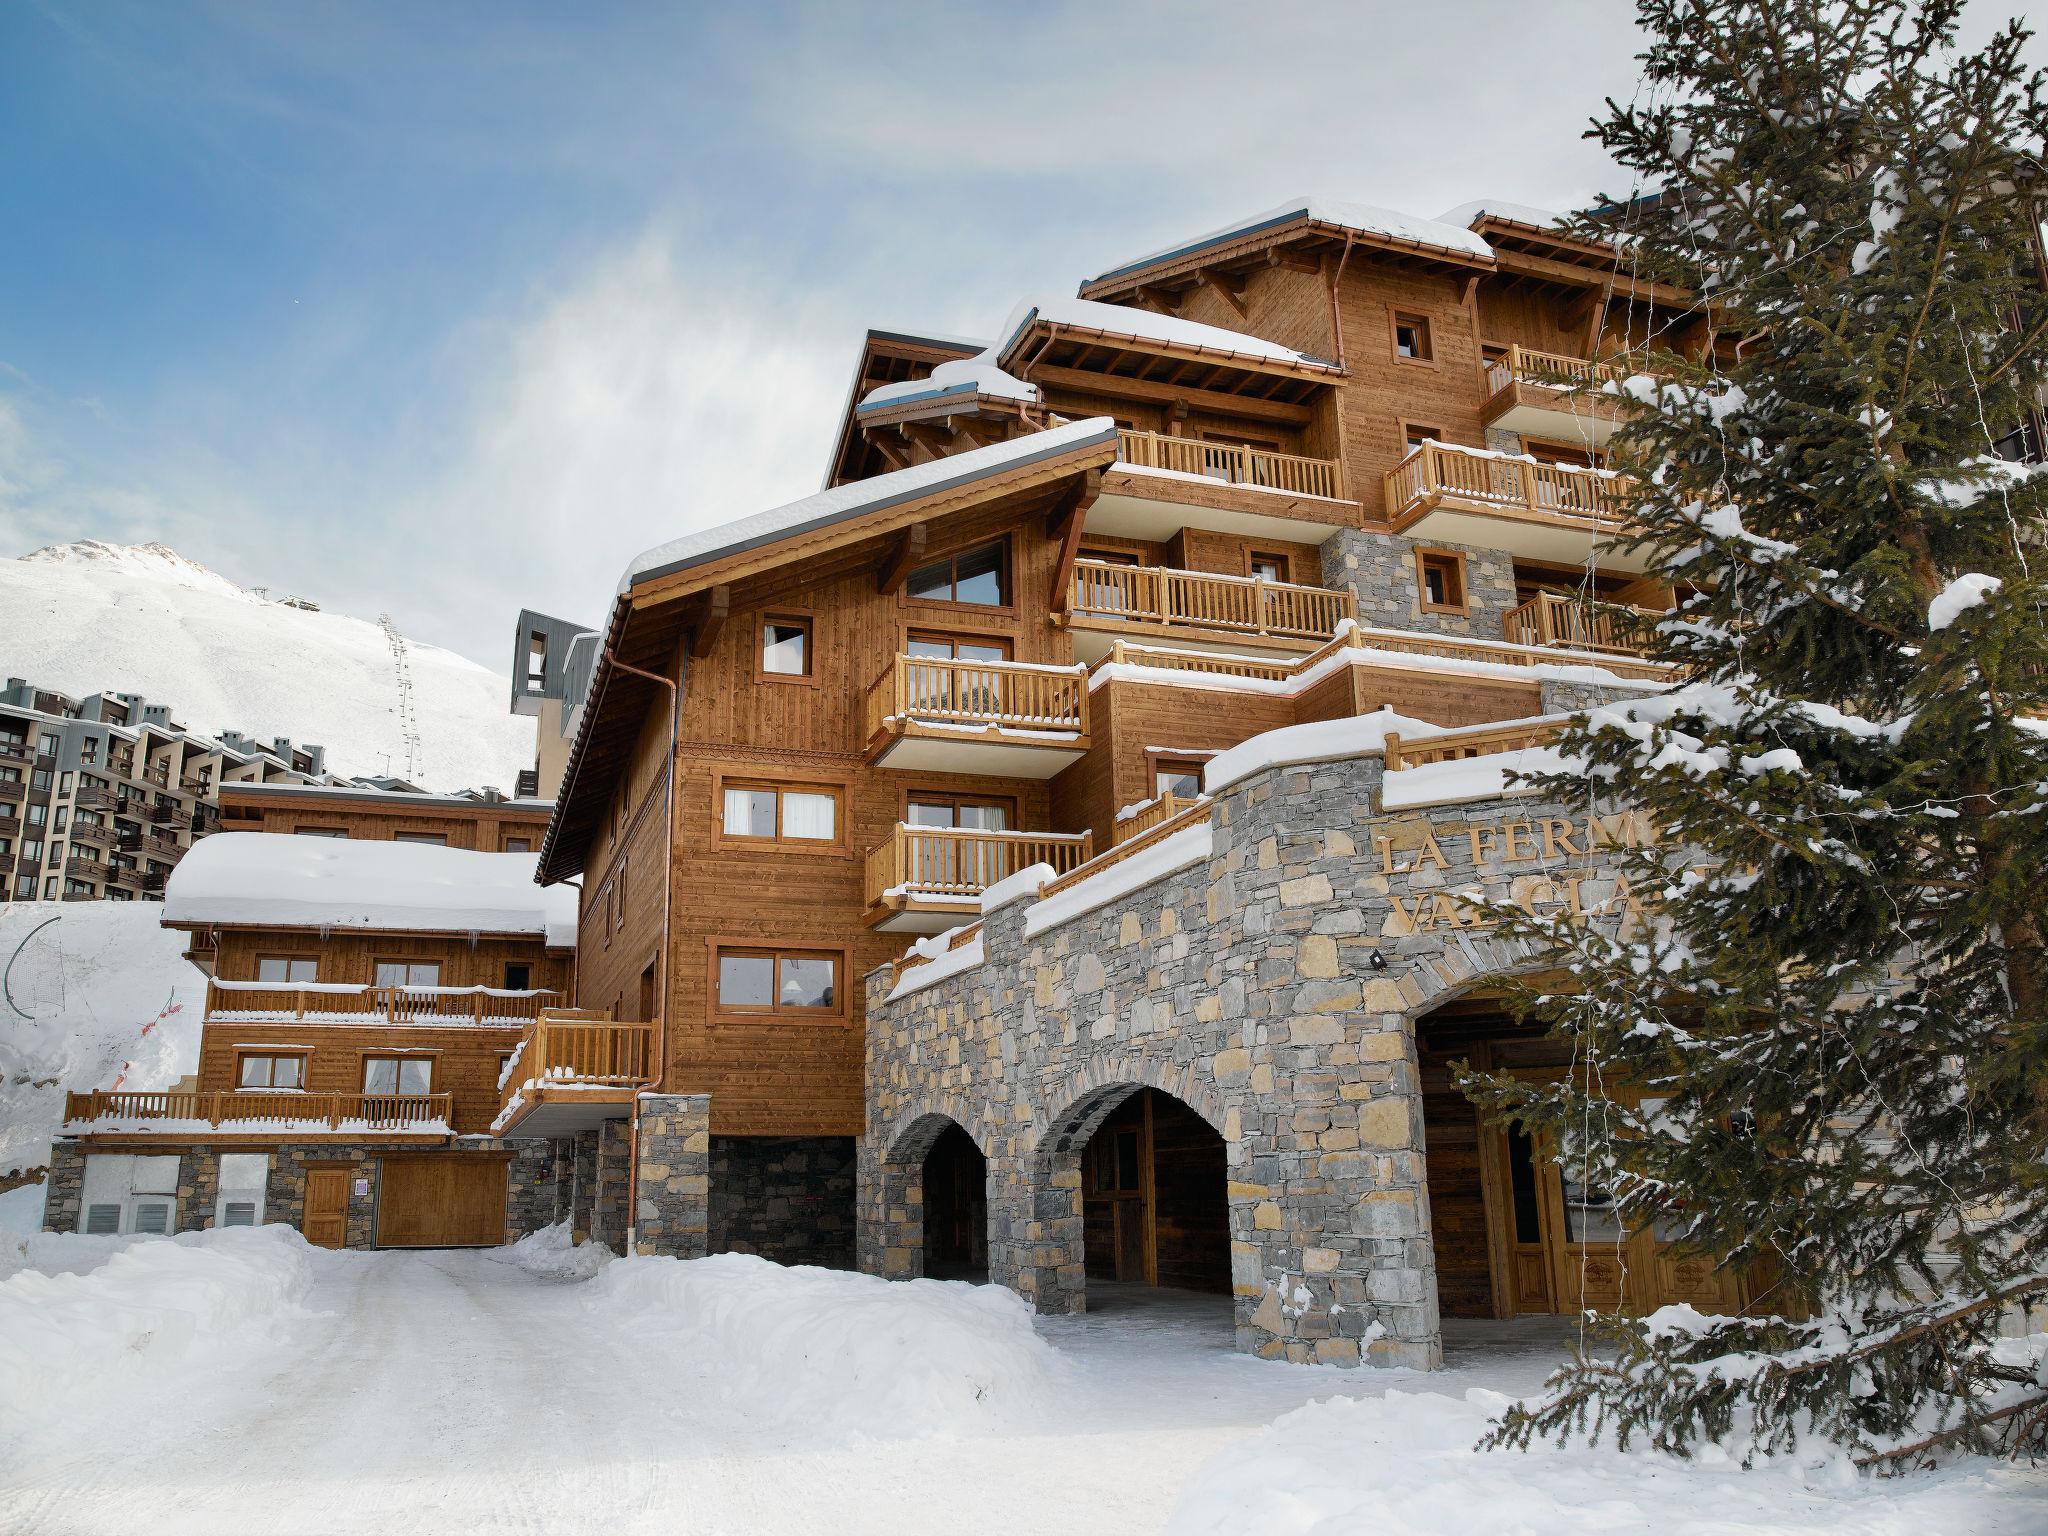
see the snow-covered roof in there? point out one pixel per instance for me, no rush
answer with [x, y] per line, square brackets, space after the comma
[964, 376]
[1144, 325]
[462, 799]
[861, 496]
[272, 879]
[1360, 218]
[1465, 215]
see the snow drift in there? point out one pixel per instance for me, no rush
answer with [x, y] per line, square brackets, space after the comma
[812, 1348]
[90, 617]
[150, 1308]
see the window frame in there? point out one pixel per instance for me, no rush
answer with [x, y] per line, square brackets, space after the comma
[1426, 328]
[364, 1058]
[507, 839]
[956, 638]
[1411, 430]
[956, 798]
[838, 1016]
[289, 957]
[1279, 557]
[273, 1054]
[407, 961]
[1006, 578]
[1424, 555]
[802, 618]
[838, 845]
[420, 838]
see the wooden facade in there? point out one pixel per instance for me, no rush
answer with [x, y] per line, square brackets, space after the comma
[489, 825]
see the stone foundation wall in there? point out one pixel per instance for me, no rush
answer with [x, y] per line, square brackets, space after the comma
[672, 1217]
[1380, 570]
[787, 1198]
[1271, 986]
[64, 1188]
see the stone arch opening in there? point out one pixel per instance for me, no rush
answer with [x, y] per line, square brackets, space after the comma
[955, 1180]
[1146, 1179]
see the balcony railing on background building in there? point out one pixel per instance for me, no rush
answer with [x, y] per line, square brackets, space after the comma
[1233, 463]
[962, 862]
[1551, 618]
[254, 1111]
[1436, 473]
[1526, 365]
[352, 1003]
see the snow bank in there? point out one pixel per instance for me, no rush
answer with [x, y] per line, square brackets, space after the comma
[553, 1254]
[1314, 741]
[100, 995]
[833, 1350]
[1403, 1464]
[336, 882]
[95, 1314]
[1171, 854]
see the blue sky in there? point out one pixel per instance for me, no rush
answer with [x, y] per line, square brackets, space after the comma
[444, 308]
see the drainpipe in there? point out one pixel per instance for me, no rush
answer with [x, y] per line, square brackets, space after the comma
[658, 1067]
[1336, 320]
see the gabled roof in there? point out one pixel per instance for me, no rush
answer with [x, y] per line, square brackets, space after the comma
[1304, 217]
[1124, 323]
[888, 356]
[281, 880]
[650, 616]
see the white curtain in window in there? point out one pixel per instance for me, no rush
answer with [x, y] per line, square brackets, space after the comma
[807, 816]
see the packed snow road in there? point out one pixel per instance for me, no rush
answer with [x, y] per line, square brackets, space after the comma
[243, 1383]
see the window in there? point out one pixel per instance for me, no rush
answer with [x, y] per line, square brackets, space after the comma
[64, 782]
[89, 750]
[980, 575]
[518, 845]
[536, 661]
[518, 976]
[270, 1072]
[777, 981]
[1177, 776]
[50, 889]
[412, 1076]
[46, 745]
[939, 647]
[619, 897]
[436, 839]
[287, 970]
[321, 831]
[810, 814]
[1411, 338]
[408, 973]
[1440, 579]
[929, 810]
[786, 647]
[1269, 567]
[38, 813]
[1415, 435]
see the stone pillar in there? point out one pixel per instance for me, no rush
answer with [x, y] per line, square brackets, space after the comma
[64, 1189]
[530, 1188]
[888, 1237]
[609, 1217]
[198, 1188]
[583, 1186]
[1037, 1243]
[673, 1215]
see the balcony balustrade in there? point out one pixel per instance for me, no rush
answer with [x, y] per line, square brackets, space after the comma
[573, 1070]
[1468, 496]
[1553, 396]
[1239, 610]
[1233, 463]
[350, 1003]
[1014, 719]
[266, 1112]
[1552, 619]
[924, 878]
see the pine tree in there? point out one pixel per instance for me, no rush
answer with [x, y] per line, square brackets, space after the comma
[1840, 1000]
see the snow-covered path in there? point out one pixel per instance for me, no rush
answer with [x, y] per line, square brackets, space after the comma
[455, 1392]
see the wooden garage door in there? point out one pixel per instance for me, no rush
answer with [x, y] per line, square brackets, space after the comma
[447, 1201]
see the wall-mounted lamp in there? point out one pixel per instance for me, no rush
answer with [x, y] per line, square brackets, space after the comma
[1378, 961]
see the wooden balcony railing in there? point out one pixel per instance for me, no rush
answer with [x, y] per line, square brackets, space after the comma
[1192, 814]
[959, 861]
[13, 789]
[98, 834]
[1550, 618]
[1197, 600]
[178, 1111]
[1525, 365]
[343, 1003]
[1017, 695]
[1440, 472]
[1150, 814]
[1233, 463]
[577, 1049]
[1456, 746]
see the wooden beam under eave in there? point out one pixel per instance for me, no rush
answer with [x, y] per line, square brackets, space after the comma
[935, 440]
[1165, 300]
[1202, 399]
[893, 446]
[1622, 285]
[710, 620]
[1065, 521]
[1275, 257]
[1230, 290]
[903, 557]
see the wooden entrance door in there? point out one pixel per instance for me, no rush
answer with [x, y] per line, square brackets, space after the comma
[325, 1223]
[441, 1200]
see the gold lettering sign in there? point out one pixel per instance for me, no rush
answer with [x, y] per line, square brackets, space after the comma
[1545, 891]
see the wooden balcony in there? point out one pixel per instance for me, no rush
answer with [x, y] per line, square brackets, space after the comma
[926, 879]
[100, 835]
[83, 868]
[1150, 815]
[345, 1003]
[1233, 464]
[1107, 600]
[1551, 396]
[1474, 741]
[257, 1113]
[1553, 512]
[14, 791]
[1552, 619]
[573, 1070]
[1008, 718]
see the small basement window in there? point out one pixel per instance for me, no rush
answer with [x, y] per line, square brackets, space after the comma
[1411, 338]
[1440, 578]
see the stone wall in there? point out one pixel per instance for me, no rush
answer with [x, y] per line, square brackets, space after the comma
[64, 1188]
[1272, 986]
[1380, 570]
[787, 1198]
[672, 1217]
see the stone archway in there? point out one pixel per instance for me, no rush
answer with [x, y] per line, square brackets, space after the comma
[892, 1183]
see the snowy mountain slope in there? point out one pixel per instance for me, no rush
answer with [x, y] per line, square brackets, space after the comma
[103, 996]
[90, 617]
